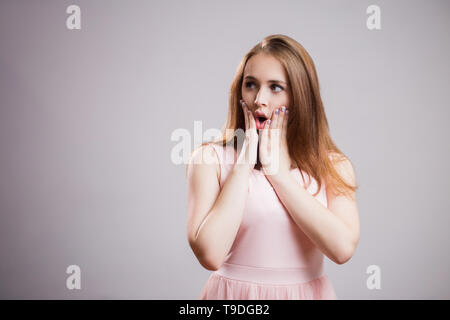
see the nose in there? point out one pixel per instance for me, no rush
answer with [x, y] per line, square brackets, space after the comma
[261, 99]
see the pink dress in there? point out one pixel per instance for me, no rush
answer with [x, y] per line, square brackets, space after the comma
[271, 258]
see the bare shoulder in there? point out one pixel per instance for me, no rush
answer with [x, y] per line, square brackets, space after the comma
[340, 161]
[344, 167]
[336, 157]
[206, 157]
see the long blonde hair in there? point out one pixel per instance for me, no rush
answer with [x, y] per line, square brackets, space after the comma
[308, 137]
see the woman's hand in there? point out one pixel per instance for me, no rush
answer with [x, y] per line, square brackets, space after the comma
[249, 151]
[273, 148]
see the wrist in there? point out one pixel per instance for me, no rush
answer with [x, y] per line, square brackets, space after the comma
[278, 177]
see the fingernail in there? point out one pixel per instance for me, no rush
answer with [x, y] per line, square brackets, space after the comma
[283, 108]
[276, 111]
[268, 121]
[287, 111]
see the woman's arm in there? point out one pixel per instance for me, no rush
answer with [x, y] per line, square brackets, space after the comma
[335, 230]
[214, 215]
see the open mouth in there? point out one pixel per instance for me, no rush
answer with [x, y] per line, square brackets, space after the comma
[260, 122]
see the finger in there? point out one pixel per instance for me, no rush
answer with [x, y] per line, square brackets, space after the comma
[244, 110]
[274, 122]
[282, 116]
[267, 125]
[284, 125]
[252, 120]
[265, 132]
[275, 118]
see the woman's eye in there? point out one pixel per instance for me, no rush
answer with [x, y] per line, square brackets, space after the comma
[248, 84]
[275, 85]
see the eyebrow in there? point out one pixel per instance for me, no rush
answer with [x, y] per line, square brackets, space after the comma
[275, 81]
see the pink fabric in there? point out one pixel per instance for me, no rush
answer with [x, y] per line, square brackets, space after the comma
[271, 258]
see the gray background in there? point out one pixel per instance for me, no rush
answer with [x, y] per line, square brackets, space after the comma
[86, 118]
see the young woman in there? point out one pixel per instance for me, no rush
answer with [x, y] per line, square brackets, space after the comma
[253, 218]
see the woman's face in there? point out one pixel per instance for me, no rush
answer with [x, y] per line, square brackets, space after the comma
[265, 86]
